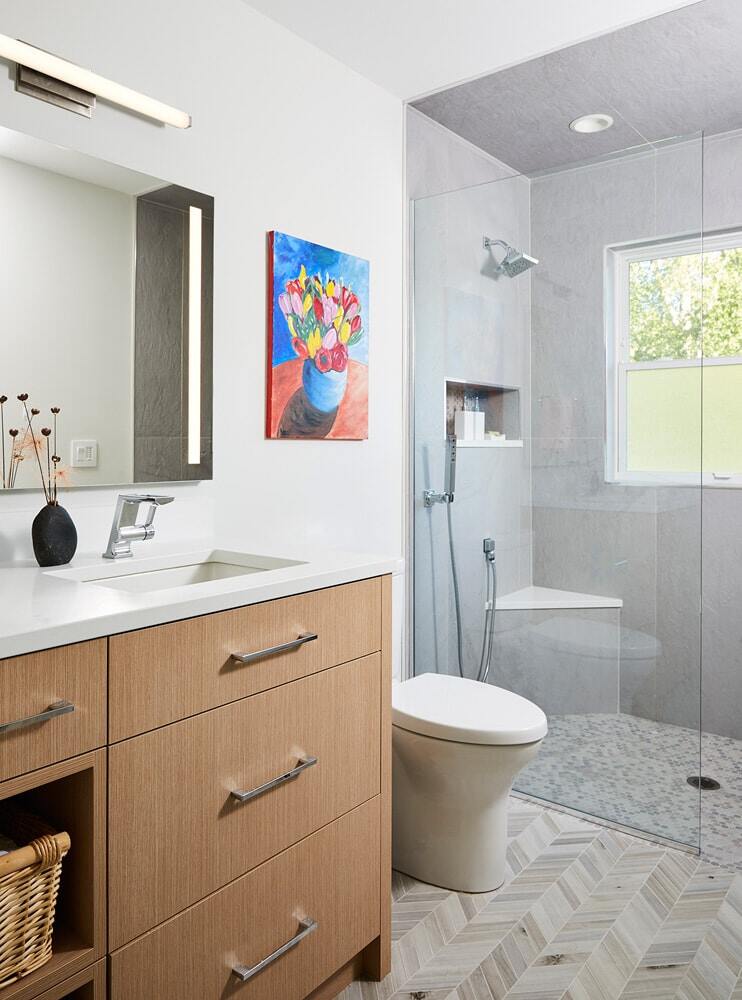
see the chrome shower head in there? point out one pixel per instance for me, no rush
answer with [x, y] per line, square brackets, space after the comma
[514, 262]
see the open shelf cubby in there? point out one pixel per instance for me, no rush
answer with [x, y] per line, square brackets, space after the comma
[69, 796]
[90, 984]
[500, 405]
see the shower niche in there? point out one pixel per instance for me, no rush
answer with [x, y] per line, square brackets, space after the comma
[500, 405]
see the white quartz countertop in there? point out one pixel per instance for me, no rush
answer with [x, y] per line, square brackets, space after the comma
[42, 608]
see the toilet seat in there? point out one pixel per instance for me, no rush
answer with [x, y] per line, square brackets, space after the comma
[465, 711]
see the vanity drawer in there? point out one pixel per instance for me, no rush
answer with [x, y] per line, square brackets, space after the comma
[331, 877]
[162, 674]
[37, 724]
[176, 833]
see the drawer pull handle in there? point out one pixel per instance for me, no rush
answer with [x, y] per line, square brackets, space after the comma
[245, 972]
[304, 763]
[56, 708]
[284, 647]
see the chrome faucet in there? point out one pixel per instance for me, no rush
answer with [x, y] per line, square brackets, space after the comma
[125, 529]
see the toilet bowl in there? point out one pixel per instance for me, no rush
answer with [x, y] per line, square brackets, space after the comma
[457, 745]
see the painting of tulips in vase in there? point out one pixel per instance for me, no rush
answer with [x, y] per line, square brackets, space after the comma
[317, 341]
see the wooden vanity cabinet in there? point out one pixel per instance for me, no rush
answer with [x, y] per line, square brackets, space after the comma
[169, 672]
[90, 984]
[248, 799]
[56, 699]
[331, 878]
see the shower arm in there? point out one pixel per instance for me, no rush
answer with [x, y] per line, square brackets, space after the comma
[488, 244]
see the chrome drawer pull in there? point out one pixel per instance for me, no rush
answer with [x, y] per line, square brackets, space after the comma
[304, 763]
[285, 647]
[245, 972]
[56, 708]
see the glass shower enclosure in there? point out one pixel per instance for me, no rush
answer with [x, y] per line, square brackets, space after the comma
[593, 422]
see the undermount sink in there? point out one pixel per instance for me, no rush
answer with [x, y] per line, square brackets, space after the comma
[169, 572]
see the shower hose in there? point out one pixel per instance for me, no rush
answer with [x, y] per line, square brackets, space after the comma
[485, 658]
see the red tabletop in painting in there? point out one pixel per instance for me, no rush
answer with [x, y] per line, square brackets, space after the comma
[351, 422]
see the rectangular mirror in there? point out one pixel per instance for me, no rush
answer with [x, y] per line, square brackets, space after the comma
[106, 286]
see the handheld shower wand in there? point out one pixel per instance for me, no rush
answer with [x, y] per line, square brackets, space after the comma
[488, 545]
[430, 497]
[451, 468]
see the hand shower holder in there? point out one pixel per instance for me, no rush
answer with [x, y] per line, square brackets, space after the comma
[430, 498]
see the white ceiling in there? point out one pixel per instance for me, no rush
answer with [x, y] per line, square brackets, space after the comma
[413, 47]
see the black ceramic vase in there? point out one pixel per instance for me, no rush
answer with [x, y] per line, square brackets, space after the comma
[54, 536]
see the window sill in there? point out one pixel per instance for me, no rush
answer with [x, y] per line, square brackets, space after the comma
[693, 482]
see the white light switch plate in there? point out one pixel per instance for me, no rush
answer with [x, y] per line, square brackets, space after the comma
[84, 454]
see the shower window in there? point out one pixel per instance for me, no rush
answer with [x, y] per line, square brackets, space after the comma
[674, 325]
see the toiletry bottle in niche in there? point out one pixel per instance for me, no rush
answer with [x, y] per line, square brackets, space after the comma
[477, 420]
[464, 419]
[463, 424]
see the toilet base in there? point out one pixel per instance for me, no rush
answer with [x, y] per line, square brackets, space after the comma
[450, 809]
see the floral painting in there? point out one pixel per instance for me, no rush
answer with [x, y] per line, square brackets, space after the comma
[318, 341]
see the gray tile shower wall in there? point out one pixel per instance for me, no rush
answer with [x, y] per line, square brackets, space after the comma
[644, 545]
[563, 660]
[440, 161]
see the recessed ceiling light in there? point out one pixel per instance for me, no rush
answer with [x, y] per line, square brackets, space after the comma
[591, 123]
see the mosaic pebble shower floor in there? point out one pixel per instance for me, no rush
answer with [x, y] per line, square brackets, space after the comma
[633, 771]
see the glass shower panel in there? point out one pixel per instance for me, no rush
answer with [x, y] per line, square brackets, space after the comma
[586, 374]
[721, 813]
[617, 383]
[472, 353]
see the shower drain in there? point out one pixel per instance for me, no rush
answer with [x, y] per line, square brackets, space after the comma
[704, 783]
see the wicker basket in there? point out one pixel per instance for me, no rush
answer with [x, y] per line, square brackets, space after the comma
[29, 883]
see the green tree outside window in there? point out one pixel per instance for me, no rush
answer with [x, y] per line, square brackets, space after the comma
[686, 307]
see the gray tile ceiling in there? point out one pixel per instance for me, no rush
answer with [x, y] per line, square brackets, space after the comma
[672, 75]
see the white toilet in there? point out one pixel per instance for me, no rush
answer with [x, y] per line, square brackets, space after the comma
[457, 746]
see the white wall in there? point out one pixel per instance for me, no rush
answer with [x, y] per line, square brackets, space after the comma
[71, 346]
[284, 137]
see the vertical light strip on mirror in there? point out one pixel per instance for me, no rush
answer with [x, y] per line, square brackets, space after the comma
[194, 335]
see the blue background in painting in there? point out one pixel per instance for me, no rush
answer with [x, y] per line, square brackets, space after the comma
[289, 253]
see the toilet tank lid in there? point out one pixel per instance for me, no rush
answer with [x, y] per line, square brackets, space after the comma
[465, 711]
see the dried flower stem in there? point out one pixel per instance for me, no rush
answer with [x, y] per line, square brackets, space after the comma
[55, 456]
[23, 397]
[3, 400]
[15, 456]
[46, 431]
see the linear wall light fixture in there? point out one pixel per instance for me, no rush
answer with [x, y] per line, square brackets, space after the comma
[194, 334]
[49, 78]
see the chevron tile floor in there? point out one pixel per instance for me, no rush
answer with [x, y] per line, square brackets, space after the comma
[586, 913]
